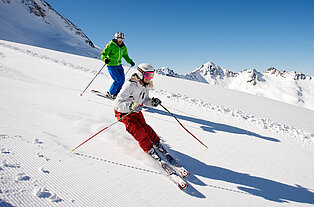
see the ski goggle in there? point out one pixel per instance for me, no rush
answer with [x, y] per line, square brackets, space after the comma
[120, 39]
[149, 75]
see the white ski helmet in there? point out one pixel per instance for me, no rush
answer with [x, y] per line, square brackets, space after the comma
[143, 68]
[119, 35]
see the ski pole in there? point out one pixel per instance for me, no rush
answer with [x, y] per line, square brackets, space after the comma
[102, 130]
[183, 126]
[128, 70]
[93, 79]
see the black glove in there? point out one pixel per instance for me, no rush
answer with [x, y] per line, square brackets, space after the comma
[132, 63]
[156, 101]
[107, 60]
[135, 107]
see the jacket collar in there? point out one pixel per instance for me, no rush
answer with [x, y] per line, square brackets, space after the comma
[116, 42]
[136, 78]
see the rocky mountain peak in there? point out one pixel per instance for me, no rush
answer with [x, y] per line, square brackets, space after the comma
[167, 72]
[42, 9]
[253, 76]
[34, 8]
[285, 74]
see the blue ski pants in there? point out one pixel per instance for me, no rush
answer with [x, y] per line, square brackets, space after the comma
[117, 74]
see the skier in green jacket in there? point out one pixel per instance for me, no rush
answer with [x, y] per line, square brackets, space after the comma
[112, 56]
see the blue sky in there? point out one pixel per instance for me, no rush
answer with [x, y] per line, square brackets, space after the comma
[183, 35]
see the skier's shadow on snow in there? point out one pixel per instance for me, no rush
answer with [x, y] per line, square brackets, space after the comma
[4, 203]
[213, 127]
[248, 184]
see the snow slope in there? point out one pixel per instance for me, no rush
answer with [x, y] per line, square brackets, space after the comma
[260, 151]
[35, 22]
[289, 87]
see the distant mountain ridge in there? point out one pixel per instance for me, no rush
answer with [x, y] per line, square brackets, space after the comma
[287, 86]
[36, 23]
[209, 71]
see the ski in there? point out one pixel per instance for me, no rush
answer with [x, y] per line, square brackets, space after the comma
[180, 169]
[98, 93]
[171, 173]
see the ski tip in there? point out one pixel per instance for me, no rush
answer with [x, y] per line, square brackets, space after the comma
[183, 187]
[187, 174]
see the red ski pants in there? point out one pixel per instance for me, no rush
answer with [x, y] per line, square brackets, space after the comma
[136, 125]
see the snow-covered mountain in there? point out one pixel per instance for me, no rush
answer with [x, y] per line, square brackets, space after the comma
[290, 87]
[35, 22]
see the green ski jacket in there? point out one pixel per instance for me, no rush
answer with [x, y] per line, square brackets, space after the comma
[114, 53]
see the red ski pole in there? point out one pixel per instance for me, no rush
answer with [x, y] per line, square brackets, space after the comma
[102, 130]
[183, 126]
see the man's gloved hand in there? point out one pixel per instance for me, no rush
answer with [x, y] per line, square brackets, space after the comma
[107, 60]
[132, 64]
[136, 107]
[156, 101]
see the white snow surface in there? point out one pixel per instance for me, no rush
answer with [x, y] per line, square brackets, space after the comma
[260, 151]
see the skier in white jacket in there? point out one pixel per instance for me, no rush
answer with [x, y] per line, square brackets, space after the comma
[133, 94]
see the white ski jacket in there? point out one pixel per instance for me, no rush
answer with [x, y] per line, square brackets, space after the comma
[132, 92]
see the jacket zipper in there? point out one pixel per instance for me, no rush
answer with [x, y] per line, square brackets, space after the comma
[119, 55]
[140, 95]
